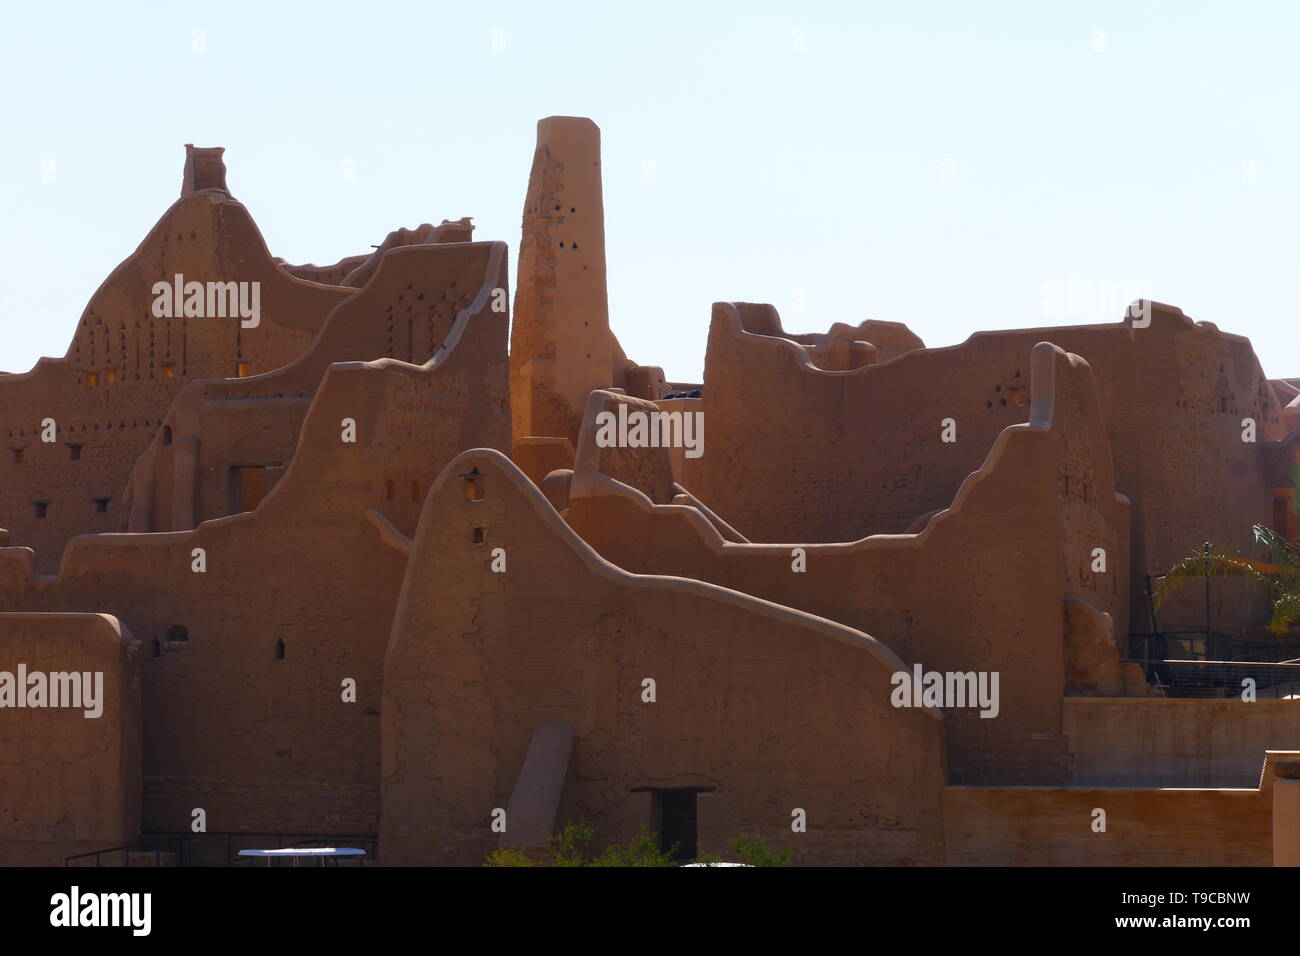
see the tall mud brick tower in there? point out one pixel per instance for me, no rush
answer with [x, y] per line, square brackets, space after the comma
[561, 347]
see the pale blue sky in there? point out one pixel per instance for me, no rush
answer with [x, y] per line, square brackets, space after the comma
[939, 164]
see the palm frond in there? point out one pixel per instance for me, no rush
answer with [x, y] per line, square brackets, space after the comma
[1277, 550]
[1286, 610]
[1213, 561]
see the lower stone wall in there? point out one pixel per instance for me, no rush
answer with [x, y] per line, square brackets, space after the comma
[1175, 742]
[1044, 826]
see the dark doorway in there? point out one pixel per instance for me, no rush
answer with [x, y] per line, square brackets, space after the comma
[675, 822]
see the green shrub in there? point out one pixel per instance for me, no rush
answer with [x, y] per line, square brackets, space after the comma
[643, 850]
[508, 856]
[756, 853]
[570, 846]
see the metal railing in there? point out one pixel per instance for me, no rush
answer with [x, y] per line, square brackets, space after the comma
[173, 846]
[215, 848]
[1198, 678]
[1197, 645]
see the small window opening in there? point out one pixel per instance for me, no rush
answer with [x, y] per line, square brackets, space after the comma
[92, 379]
[279, 650]
[74, 452]
[178, 634]
[479, 535]
[18, 456]
[42, 508]
[167, 434]
[157, 647]
[474, 485]
[101, 505]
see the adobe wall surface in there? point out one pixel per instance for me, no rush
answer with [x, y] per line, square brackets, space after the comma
[980, 588]
[1035, 826]
[69, 783]
[1179, 742]
[744, 692]
[538, 457]
[426, 233]
[332, 274]
[678, 461]
[647, 469]
[139, 363]
[843, 348]
[891, 339]
[357, 271]
[259, 742]
[409, 311]
[800, 454]
[1281, 458]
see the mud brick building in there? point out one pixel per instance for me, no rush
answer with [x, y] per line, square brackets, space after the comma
[367, 567]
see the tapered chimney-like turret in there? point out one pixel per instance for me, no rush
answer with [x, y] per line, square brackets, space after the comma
[561, 347]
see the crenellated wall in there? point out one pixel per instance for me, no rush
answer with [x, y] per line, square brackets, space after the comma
[744, 692]
[980, 588]
[796, 453]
